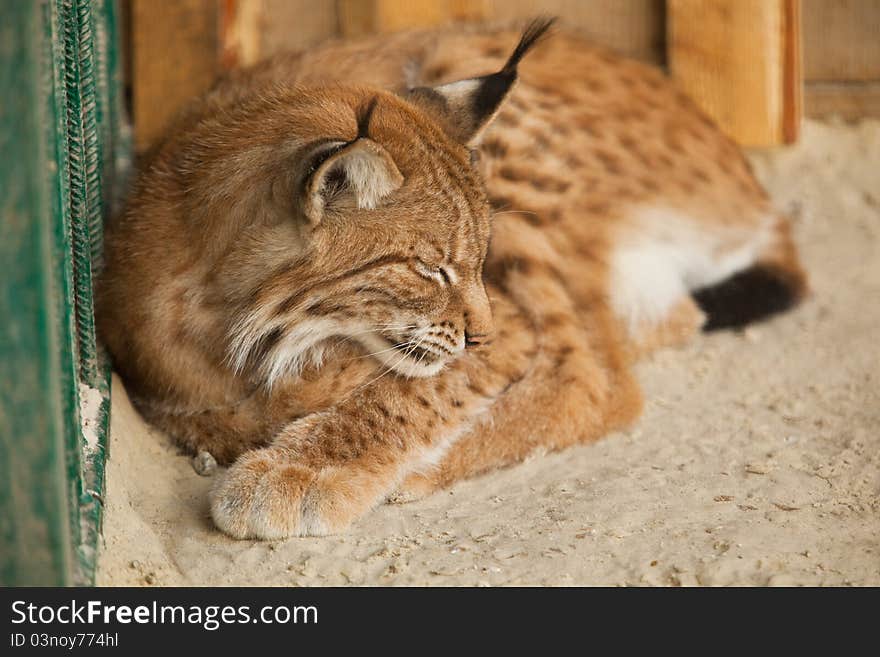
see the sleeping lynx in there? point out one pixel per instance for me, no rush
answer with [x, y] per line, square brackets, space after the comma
[303, 283]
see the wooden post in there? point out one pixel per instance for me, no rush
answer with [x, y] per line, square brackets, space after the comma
[358, 17]
[255, 29]
[175, 56]
[842, 58]
[634, 28]
[740, 60]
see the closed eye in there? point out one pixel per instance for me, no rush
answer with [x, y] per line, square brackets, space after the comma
[433, 272]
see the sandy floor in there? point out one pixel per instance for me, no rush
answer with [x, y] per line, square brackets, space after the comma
[757, 460]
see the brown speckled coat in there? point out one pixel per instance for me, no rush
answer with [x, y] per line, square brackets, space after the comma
[305, 266]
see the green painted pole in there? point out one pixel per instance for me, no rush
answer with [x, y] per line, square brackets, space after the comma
[65, 149]
[34, 426]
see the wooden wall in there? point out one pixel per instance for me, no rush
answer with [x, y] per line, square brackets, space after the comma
[741, 63]
[633, 27]
[842, 57]
[177, 47]
[174, 56]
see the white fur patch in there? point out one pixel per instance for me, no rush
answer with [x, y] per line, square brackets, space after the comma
[665, 254]
[460, 91]
[301, 345]
[298, 348]
[370, 178]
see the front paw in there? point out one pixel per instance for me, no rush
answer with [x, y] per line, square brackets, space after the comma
[265, 496]
[416, 486]
[261, 496]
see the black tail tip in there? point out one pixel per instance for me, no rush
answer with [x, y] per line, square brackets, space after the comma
[749, 296]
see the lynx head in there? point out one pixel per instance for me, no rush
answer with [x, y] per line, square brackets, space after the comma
[367, 222]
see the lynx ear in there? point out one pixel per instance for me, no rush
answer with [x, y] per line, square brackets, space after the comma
[343, 175]
[464, 108]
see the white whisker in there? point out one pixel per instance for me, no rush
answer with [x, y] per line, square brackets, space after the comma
[534, 214]
[381, 351]
[391, 367]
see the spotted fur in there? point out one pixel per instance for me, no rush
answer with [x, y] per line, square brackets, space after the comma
[386, 265]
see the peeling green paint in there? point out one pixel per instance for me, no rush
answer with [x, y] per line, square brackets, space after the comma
[65, 153]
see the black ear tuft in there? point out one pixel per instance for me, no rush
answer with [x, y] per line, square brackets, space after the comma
[534, 32]
[494, 88]
[466, 107]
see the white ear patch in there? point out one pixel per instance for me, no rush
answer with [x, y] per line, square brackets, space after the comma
[459, 93]
[371, 177]
[459, 97]
[369, 174]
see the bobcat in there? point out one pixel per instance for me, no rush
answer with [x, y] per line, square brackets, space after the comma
[362, 271]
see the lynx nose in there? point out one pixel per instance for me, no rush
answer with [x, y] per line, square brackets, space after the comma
[478, 324]
[472, 340]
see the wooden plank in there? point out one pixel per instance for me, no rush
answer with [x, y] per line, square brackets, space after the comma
[848, 100]
[258, 28]
[240, 35]
[792, 71]
[175, 56]
[632, 27]
[359, 17]
[841, 40]
[740, 61]
[255, 29]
